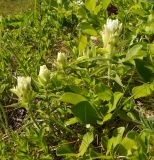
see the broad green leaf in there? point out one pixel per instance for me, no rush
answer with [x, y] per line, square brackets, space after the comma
[116, 139]
[128, 144]
[117, 136]
[71, 121]
[97, 155]
[85, 112]
[97, 9]
[146, 73]
[81, 13]
[145, 137]
[149, 28]
[87, 139]
[74, 89]
[115, 100]
[151, 48]
[2, 88]
[65, 149]
[105, 3]
[135, 52]
[72, 98]
[87, 28]
[90, 5]
[82, 43]
[143, 90]
[107, 117]
[103, 92]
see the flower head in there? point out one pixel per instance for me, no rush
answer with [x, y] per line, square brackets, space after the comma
[44, 75]
[111, 30]
[23, 88]
[111, 25]
[61, 59]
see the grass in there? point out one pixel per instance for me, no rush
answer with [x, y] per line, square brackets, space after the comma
[9, 7]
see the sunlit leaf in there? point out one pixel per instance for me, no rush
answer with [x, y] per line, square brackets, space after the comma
[105, 3]
[143, 90]
[87, 139]
[135, 52]
[128, 144]
[72, 98]
[103, 92]
[82, 43]
[71, 121]
[116, 139]
[90, 4]
[87, 28]
[115, 100]
[107, 117]
[151, 48]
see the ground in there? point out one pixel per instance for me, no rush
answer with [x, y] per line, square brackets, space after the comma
[9, 7]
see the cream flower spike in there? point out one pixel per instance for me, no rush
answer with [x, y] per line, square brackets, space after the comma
[23, 88]
[44, 75]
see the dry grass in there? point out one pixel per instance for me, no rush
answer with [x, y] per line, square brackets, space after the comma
[9, 7]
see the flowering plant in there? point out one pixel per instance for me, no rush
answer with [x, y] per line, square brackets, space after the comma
[44, 75]
[23, 88]
[111, 31]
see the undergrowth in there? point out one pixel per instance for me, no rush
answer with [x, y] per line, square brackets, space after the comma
[77, 81]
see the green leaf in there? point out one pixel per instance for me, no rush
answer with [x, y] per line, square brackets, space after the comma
[105, 3]
[118, 80]
[85, 112]
[82, 43]
[115, 100]
[103, 92]
[72, 98]
[143, 90]
[87, 139]
[128, 144]
[90, 5]
[146, 73]
[149, 28]
[151, 48]
[71, 121]
[65, 149]
[97, 9]
[135, 52]
[107, 117]
[97, 155]
[116, 139]
[87, 28]
[81, 13]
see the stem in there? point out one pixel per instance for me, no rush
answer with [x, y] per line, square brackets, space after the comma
[5, 124]
[109, 69]
[32, 116]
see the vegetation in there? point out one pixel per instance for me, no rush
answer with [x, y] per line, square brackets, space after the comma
[8, 7]
[77, 81]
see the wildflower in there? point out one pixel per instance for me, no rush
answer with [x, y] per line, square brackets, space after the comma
[61, 59]
[44, 75]
[111, 31]
[112, 25]
[23, 88]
